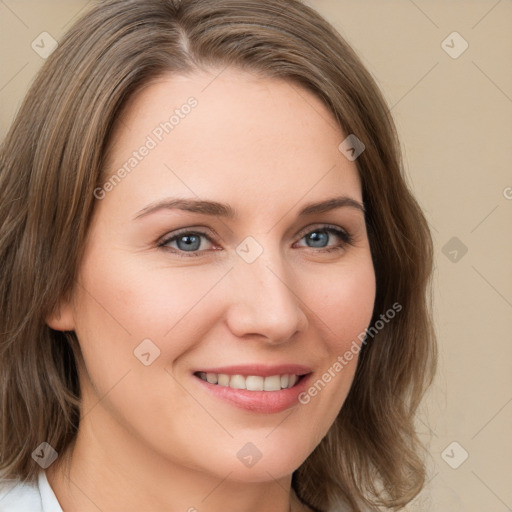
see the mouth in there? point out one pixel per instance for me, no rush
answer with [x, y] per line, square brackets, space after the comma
[251, 382]
[256, 388]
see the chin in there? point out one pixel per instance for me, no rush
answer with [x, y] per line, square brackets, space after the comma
[267, 462]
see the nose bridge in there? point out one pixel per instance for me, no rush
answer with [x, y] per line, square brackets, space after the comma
[264, 302]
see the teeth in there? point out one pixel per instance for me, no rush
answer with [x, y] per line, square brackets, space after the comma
[237, 382]
[272, 383]
[251, 382]
[222, 379]
[211, 378]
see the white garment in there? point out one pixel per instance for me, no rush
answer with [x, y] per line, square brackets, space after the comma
[17, 496]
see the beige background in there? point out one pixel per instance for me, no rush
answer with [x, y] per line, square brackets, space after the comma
[454, 116]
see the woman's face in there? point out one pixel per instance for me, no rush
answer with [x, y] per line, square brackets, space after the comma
[165, 293]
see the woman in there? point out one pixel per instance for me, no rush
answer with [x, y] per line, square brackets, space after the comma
[214, 274]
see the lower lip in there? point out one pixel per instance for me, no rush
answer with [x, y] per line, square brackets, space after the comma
[262, 402]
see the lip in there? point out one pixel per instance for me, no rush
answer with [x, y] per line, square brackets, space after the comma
[260, 402]
[262, 370]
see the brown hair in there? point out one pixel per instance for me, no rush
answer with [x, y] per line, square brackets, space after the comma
[53, 157]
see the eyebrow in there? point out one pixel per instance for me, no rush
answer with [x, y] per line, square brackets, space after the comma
[217, 209]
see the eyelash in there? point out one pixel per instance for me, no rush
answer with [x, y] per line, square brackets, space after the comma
[346, 237]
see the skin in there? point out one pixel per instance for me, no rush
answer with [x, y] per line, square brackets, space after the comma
[151, 438]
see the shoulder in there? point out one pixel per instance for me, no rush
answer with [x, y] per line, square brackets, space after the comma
[19, 496]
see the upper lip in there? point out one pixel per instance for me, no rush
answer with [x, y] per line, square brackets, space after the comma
[262, 370]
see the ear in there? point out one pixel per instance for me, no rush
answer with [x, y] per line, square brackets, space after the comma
[62, 318]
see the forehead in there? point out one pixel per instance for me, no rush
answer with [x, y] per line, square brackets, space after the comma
[246, 136]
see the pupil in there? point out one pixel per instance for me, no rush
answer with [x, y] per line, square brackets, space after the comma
[315, 236]
[189, 241]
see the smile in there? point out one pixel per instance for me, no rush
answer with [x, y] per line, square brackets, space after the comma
[258, 388]
[250, 382]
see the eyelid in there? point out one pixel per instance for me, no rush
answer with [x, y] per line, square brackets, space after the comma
[319, 227]
[201, 230]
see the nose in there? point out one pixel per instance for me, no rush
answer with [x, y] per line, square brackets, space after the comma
[262, 302]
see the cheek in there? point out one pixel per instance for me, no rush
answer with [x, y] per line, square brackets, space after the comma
[343, 299]
[123, 304]
[124, 301]
[344, 307]
[120, 305]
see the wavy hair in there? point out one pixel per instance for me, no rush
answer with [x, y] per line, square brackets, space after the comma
[53, 157]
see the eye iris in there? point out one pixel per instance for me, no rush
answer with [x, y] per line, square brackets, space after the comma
[316, 235]
[191, 239]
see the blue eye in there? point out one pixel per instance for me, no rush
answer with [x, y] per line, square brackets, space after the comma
[321, 235]
[188, 242]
